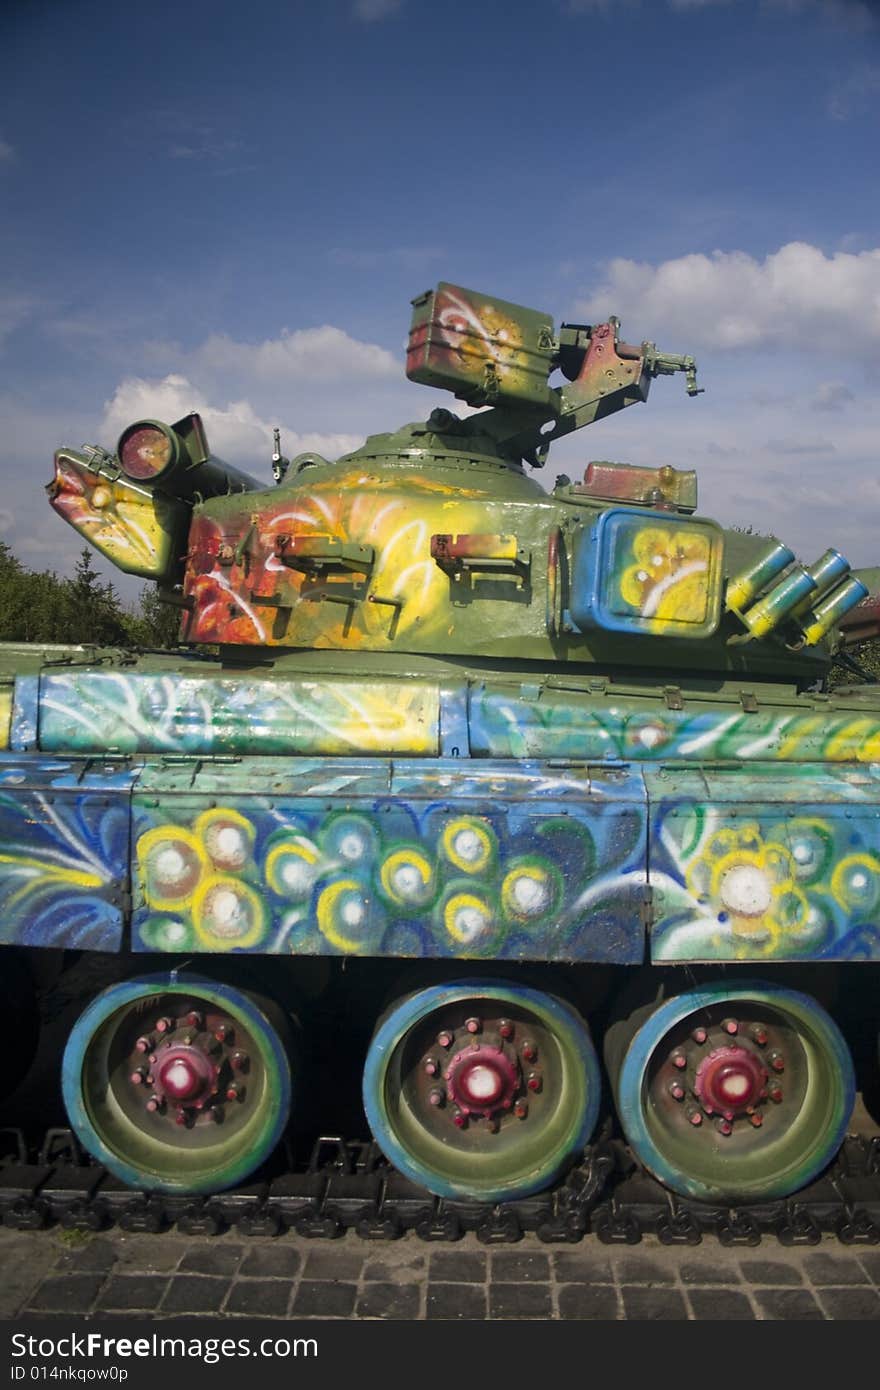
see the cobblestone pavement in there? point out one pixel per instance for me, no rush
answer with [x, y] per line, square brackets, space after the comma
[54, 1272]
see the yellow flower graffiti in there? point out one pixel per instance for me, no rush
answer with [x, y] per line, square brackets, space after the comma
[667, 579]
[751, 883]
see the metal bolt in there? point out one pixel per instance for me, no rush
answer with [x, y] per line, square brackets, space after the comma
[505, 1028]
[694, 1116]
[164, 1025]
[156, 1104]
[520, 1110]
[180, 1117]
[473, 1025]
[143, 1045]
[534, 1081]
[699, 1035]
[777, 1061]
[431, 1066]
[679, 1060]
[775, 1094]
[757, 1119]
[730, 1026]
[459, 1119]
[137, 1077]
[223, 1032]
[234, 1092]
[444, 1039]
[437, 1095]
[240, 1061]
[676, 1091]
[759, 1034]
[724, 1127]
[195, 1019]
[529, 1051]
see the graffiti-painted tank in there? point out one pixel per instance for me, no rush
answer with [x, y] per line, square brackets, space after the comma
[500, 762]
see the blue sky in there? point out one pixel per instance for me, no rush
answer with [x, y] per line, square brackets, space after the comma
[228, 207]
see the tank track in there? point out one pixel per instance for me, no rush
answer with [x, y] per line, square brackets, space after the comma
[342, 1185]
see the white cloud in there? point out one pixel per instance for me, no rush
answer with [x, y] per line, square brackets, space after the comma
[832, 395]
[796, 297]
[235, 431]
[7, 152]
[311, 354]
[854, 94]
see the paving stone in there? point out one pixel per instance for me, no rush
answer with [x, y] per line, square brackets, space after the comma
[195, 1293]
[701, 1272]
[854, 1302]
[456, 1301]
[582, 1268]
[316, 1300]
[787, 1304]
[772, 1272]
[467, 1266]
[152, 1254]
[510, 1266]
[595, 1301]
[520, 1301]
[653, 1304]
[870, 1260]
[723, 1304]
[831, 1269]
[279, 1261]
[24, 1264]
[389, 1301]
[265, 1298]
[333, 1263]
[638, 1269]
[216, 1258]
[98, 1256]
[133, 1291]
[72, 1293]
[401, 1271]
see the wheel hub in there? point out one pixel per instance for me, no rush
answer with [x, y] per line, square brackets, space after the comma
[187, 1067]
[731, 1080]
[482, 1079]
[728, 1069]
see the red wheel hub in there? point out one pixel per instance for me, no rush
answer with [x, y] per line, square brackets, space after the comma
[730, 1081]
[482, 1079]
[185, 1075]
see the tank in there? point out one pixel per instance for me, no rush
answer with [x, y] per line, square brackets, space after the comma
[505, 808]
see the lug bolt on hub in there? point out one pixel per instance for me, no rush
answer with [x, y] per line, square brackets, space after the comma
[505, 1028]
[777, 1061]
[730, 1026]
[240, 1061]
[694, 1116]
[699, 1035]
[724, 1127]
[534, 1081]
[529, 1051]
[759, 1034]
[436, 1096]
[164, 1025]
[194, 1018]
[431, 1066]
[757, 1119]
[520, 1110]
[676, 1090]
[678, 1060]
[459, 1119]
[444, 1039]
[473, 1025]
[775, 1094]
[143, 1045]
